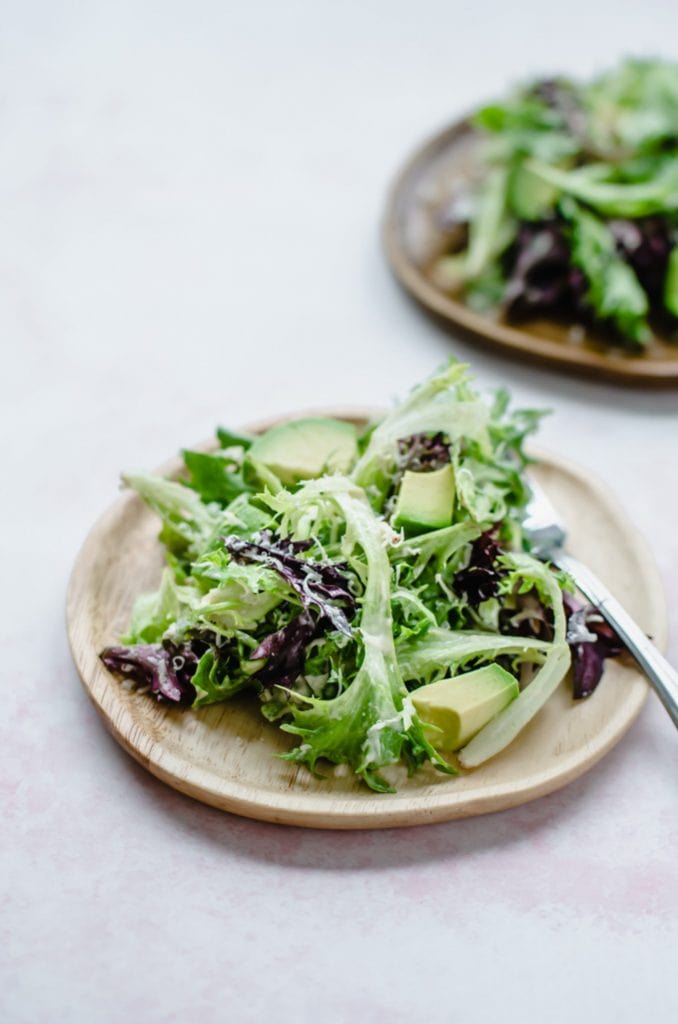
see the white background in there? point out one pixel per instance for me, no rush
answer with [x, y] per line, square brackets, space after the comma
[190, 198]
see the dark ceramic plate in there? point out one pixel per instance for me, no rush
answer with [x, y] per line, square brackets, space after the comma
[414, 237]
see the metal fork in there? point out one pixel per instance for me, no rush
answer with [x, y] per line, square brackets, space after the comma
[548, 537]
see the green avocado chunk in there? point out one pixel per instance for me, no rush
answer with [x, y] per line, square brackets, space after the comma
[302, 449]
[461, 706]
[425, 500]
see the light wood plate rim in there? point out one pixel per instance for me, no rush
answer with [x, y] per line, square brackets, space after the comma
[317, 809]
[607, 365]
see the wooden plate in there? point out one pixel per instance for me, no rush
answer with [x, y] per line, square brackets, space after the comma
[414, 238]
[223, 755]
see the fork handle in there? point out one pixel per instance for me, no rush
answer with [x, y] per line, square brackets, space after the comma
[663, 678]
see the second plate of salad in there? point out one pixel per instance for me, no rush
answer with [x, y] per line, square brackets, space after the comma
[547, 223]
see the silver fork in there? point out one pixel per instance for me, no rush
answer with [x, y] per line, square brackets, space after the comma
[548, 537]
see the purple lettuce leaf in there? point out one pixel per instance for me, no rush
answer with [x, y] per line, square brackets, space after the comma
[591, 641]
[541, 276]
[166, 668]
[285, 650]
[542, 279]
[317, 584]
[479, 581]
[423, 453]
[646, 245]
[530, 618]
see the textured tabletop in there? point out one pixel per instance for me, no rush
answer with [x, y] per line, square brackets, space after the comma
[190, 198]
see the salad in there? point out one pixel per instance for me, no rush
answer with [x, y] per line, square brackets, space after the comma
[574, 214]
[370, 590]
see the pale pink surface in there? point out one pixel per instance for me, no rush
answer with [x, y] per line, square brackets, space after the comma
[171, 182]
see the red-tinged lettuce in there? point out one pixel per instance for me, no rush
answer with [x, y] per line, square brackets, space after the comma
[285, 650]
[646, 245]
[591, 641]
[319, 585]
[541, 276]
[479, 580]
[202, 670]
[166, 669]
[423, 453]
[322, 588]
[578, 268]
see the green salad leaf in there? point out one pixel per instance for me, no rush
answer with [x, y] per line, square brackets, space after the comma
[614, 291]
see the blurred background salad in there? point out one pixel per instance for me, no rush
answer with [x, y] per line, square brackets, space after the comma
[575, 213]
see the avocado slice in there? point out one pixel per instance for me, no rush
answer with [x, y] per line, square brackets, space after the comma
[425, 500]
[302, 449]
[462, 705]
